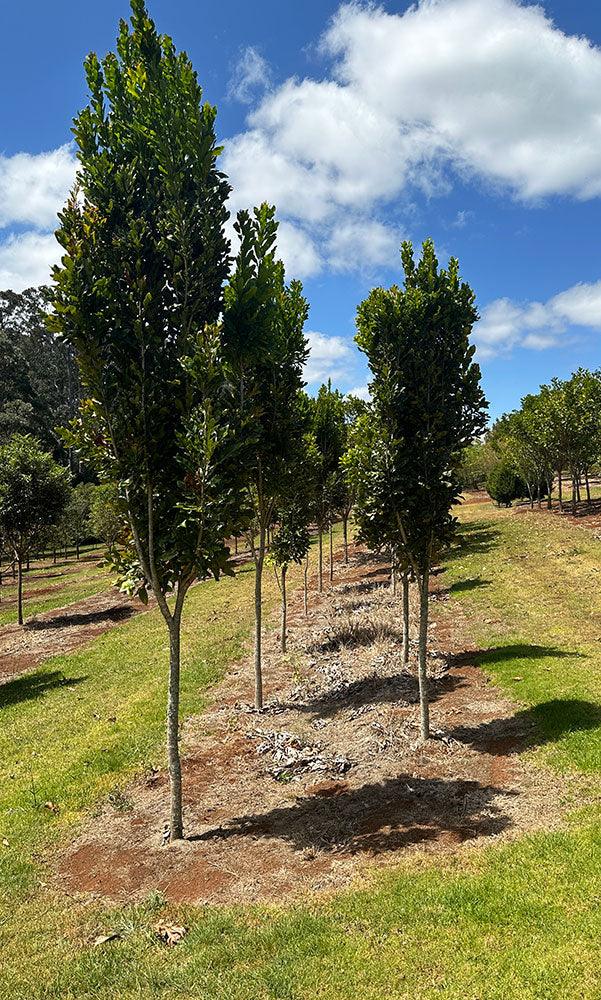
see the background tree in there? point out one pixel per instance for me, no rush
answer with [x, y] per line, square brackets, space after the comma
[504, 485]
[108, 515]
[266, 350]
[328, 426]
[136, 297]
[33, 494]
[77, 514]
[429, 407]
[290, 544]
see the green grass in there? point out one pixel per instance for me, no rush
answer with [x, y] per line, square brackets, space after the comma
[70, 581]
[519, 922]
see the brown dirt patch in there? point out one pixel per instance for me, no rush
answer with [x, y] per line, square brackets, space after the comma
[330, 779]
[61, 630]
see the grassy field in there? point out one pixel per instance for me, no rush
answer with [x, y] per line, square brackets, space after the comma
[518, 922]
[66, 581]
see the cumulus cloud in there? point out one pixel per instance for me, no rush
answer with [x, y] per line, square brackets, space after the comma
[537, 325]
[33, 187]
[330, 357]
[26, 259]
[406, 104]
[251, 75]
[356, 243]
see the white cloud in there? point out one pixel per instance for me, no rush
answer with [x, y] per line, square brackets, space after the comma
[251, 74]
[330, 357]
[33, 187]
[537, 325]
[362, 391]
[298, 251]
[357, 243]
[26, 259]
[407, 102]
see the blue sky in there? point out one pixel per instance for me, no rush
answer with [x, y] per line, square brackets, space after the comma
[476, 122]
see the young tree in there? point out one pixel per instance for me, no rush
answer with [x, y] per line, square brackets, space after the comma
[77, 514]
[429, 406]
[33, 494]
[266, 349]
[328, 426]
[108, 515]
[137, 296]
[291, 542]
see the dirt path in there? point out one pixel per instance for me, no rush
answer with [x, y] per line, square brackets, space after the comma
[61, 630]
[330, 779]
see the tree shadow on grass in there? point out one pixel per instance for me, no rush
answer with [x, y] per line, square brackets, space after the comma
[114, 615]
[462, 586]
[35, 685]
[472, 539]
[379, 817]
[531, 727]
[512, 651]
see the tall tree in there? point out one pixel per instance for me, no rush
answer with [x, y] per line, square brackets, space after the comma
[33, 494]
[328, 426]
[429, 406]
[266, 349]
[137, 296]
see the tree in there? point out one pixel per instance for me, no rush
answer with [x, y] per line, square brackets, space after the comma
[328, 426]
[137, 297]
[429, 407]
[291, 542]
[266, 349]
[77, 514]
[108, 515]
[33, 494]
[504, 485]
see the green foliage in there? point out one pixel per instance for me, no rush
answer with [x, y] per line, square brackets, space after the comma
[108, 515]
[33, 493]
[427, 398]
[139, 285]
[39, 383]
[477, 463]
[328, 425]
[504, 485]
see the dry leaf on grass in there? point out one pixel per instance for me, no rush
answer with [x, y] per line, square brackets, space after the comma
[104, 938]
[170, 934]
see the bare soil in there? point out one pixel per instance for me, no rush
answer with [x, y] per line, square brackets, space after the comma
[61, 630]
[330, 779]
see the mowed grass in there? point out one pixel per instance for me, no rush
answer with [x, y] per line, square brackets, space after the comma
[65, 581]
[518, 922]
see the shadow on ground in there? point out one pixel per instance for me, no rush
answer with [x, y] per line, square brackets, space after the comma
[377, 818]
[117, 614]
[36, 685]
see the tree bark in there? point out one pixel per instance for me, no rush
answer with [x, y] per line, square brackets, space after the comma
[284, 610]
[258, 622]
[175, 768]
[573, 494]
[405, 618]
[331, 553]
[424, 707]
[345, 536]
[305, 585]
[560, 489]
[19, 590]
[549, 491]
[320, 568]
[235, 545]
[588, 488]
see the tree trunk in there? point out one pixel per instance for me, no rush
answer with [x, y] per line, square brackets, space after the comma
[331, 553]
[320, 568]
[560, 489]
[345, 536]
[235, 545]
[588, 488]
[405, 618]
[573, 494]
[258, 622]
[54, 554]
[530, 496]
[305, 585]
[549, 491]
[19, 590]
[538, 494]
[175, 768]
[284, 610]
[424, 707]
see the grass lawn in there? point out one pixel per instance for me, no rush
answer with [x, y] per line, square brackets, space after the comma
[70, 581]
[517, 922]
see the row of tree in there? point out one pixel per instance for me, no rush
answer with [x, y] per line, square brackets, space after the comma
[191, 367]
[555, 435]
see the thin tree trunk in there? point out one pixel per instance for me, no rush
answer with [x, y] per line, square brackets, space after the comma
[573, 494]
[345, 536]
[424, 707]
[175, 768]
[305, 584]
[405, 579]
[284, 610]
[320, 568]
[588, 488]
[530, 496]
[560, 488]
[54, 554]
[549, 491]
[258, 621]
[331, 553]
[20, 590]
[578, 487]
[538, 494]
[77, 548]
[235, 545]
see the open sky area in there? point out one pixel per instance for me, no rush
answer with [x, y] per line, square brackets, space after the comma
[476, 122]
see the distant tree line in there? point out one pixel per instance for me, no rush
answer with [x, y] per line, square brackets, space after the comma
[552, 442]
